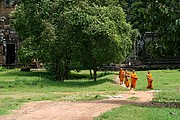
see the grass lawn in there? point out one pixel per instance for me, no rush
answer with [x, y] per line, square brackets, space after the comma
[18, 87]
[165, 105]
[133, 112]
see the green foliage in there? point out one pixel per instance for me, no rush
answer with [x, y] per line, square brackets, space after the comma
[136, 15]
[72, 34]
[26, 54]
[105, 35]
[2, 68]
[157, 16]
[164, 20]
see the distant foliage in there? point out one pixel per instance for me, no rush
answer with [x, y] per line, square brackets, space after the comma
[2, 68]
[157, 16]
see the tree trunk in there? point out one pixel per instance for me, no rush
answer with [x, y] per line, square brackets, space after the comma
[65, 73]
[62, 67]
[59, 69]
[95, 74]
[66, 68]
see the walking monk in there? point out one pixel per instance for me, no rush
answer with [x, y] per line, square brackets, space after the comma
[134, 78]
[127, 75]
[121, 76]
[149, 79]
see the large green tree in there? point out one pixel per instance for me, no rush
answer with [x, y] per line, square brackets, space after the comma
[104, 35]
[70, 34]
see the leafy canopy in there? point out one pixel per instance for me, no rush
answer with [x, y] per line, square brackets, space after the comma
[73, 34]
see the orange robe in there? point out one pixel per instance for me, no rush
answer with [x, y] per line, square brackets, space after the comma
[134, 78]
[149, 80]
[121, 76]
[127, 75]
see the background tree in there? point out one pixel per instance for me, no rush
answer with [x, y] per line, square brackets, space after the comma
[136, 15]
[164, 16]
[159, 16]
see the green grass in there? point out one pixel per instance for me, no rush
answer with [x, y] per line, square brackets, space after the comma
[166, 81]
[163, 79]
[133, 112]
[18, 87]
[166, 102]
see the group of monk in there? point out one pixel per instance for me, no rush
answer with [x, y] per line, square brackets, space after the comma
[129, 79]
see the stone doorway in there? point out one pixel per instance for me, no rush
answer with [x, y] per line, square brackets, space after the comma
[10, 57]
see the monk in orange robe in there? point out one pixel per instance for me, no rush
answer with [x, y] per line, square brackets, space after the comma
[121, 76]
[149, 80]
[134, 78]
[127, 75]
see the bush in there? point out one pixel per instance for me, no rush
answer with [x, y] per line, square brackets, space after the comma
[2, 68]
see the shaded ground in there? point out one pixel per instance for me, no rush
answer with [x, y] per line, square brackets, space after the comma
[77, 110]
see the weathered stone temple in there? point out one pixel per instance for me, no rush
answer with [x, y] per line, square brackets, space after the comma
[8, 38]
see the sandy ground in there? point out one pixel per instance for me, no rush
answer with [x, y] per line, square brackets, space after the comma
[76, 110]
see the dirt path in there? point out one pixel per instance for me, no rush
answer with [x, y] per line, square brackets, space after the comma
[76, 110]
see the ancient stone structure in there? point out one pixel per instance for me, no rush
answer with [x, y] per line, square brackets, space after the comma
[8, 37]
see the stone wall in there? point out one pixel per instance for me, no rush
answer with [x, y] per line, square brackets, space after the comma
[5, 10]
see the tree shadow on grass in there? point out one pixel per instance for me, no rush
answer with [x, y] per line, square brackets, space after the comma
[104, 74]
[44, 79]
[45, 83]
[73, 76]
[83, 83]
[46, 74]
[24, 73]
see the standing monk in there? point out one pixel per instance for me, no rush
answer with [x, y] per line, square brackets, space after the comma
[149, 79]
[134, 78]
[127, 75]
[121, 76]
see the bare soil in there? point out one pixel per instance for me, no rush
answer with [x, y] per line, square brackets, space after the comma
[77, 110]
